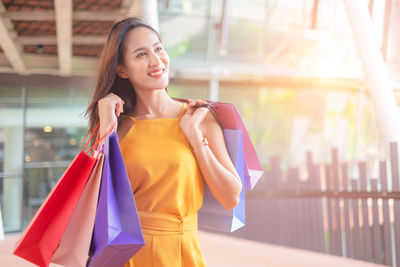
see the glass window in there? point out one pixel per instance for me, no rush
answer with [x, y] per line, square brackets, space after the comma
[243, 42]
[187, 90]
[281, 121]
[55, 129]
[11, 156]
[190, 41]
[188, 7]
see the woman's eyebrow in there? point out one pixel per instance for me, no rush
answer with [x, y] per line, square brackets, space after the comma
[144, 48]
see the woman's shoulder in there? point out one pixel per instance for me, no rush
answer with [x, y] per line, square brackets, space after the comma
[124, 125]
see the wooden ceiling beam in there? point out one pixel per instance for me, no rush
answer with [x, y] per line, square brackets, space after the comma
[7, 42]
[52, 40]
[44, 15]
[47, 64]
[126, 5]
[63, 11]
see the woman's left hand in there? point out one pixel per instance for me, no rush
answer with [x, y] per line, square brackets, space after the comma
[190, 121]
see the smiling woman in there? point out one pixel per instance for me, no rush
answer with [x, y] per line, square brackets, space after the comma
[145, 62]
[171, 149]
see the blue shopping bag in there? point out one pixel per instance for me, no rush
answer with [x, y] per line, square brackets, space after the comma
[117, 233]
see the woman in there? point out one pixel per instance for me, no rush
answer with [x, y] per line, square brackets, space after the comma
[164, 145]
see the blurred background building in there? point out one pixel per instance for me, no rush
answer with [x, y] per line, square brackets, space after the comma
[292, 68]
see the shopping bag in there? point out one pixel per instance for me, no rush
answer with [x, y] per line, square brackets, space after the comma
[41, 237]
[228, 117]
[212, 215]
[73, 249]
[117, 233]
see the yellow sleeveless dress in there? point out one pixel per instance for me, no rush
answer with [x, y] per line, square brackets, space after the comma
[168, 189]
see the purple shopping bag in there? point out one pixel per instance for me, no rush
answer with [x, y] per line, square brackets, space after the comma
[212, 215]
[117, 233]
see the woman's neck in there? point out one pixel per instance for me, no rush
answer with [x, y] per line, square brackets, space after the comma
[153, 103]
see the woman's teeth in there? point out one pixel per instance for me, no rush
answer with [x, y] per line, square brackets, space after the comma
[156, 73]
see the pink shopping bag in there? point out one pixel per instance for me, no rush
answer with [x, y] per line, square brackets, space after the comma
[73, 250]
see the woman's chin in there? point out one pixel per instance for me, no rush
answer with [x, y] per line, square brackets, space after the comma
[160, 85]
[153, 85]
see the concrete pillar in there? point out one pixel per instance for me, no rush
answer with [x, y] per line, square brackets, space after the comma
[1, 226]
[213, 90]
[12, 187]
[148, 9]
[394, 34]
[375, 70]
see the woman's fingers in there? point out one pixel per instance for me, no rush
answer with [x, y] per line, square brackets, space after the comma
[194, 105]
[109, 108]
[196, 102]
[203, 111]
[194, 110]
[115, 103]
[200, 102]
[119, 108]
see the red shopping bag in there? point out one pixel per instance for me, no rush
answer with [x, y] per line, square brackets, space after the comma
[41, 237]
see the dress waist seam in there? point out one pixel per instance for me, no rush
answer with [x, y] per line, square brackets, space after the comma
[167, 224]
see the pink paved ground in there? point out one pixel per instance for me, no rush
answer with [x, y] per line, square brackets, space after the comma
[224, 251]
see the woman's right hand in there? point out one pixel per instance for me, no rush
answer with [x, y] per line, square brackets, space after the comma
[109, 108]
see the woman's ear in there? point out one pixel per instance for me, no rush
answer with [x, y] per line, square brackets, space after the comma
[121, 72]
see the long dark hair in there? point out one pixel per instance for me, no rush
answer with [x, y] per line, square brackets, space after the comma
[107, 80]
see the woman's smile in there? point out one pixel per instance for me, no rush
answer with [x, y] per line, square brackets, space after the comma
[158, 73]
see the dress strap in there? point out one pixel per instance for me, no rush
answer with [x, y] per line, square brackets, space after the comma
[129, 117]
[183, 110]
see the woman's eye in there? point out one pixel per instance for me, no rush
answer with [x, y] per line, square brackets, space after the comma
[158, 49]
[141, 54]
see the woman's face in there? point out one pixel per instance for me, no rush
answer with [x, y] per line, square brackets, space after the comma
[145, 61]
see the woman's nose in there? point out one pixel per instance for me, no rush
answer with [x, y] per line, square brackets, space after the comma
[154, 59]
